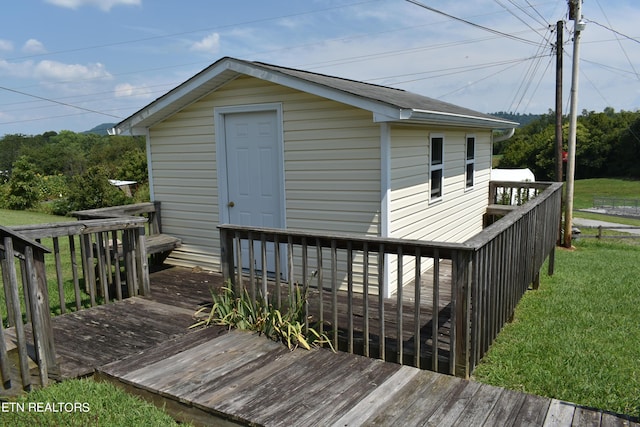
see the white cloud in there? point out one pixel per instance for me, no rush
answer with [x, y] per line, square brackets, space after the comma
[6, 45]
[33, 46]
[53, 70]
[16, 69]
[104, 5]
[209, 44]
[126, 90]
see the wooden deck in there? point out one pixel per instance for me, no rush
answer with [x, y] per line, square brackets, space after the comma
[211, 376]
[241, 378]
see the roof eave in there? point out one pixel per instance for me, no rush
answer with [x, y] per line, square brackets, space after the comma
[448, 119]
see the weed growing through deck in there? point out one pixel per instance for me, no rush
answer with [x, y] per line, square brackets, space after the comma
[256, 314]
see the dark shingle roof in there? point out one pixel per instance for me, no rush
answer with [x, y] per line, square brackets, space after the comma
[395, 97]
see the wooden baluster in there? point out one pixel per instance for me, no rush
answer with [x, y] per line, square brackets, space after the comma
[381, 292]
[399, 326]
[365, 297]
[59, 277]
[416, 309]
[74, 272]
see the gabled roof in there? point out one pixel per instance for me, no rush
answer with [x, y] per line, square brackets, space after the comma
[387, 104]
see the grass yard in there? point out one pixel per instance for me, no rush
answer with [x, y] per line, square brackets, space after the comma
[586, 189]
[100, 404]
[577, 338]
[9, 218]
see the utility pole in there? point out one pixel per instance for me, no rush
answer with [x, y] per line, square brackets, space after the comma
[575, 13]
[559, 158]
[559, 53]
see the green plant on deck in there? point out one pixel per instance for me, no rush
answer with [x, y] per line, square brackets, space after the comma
[256, 314]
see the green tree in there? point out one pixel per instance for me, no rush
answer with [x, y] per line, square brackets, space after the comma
[111, 151]
[23, 185]
[10, 149]
[133, 167]
[92, 190]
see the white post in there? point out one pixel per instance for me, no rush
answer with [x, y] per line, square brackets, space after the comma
[571, 160]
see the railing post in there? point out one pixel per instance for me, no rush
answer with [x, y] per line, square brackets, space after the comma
[10, 275]
[40, 315]
[461, 310]
[226, 254]
[142, 262]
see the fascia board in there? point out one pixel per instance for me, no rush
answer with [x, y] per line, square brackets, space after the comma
[450, 119]
[378, 108]
[178, 97]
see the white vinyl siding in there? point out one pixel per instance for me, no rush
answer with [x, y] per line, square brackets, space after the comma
[458, 216]
[332, 167]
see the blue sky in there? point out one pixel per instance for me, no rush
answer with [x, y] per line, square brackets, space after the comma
[73, 64]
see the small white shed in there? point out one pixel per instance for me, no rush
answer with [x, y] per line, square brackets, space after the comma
[256, 144]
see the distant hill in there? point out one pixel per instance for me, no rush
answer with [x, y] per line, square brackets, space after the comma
[100, 129]
[523, 119]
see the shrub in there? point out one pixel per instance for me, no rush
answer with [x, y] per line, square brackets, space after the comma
[52, 187]
[92, 190]
[23, 186]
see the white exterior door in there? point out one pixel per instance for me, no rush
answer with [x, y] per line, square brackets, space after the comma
[254, 176]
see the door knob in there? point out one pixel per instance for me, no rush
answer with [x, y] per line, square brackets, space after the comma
[231, 204]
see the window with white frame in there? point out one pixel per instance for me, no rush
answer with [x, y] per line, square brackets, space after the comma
[436, 164]
[470, 161]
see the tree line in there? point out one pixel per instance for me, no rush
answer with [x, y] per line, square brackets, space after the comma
[607, 145]
[62, 172]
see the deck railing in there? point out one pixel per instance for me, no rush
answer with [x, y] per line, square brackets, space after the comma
[96, 261]
[488, 275]
[30, 256]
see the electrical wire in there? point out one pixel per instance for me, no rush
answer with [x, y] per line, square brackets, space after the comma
[612, 30]
[544, 20]
[477, 81]
[183, 33]
[58, 102]
[619, 42]
[516, 16]
[482, 27]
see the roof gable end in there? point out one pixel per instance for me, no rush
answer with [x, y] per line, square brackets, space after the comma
[386, 104]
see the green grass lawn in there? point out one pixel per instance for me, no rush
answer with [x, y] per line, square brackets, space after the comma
[586, 189]
[100, 404]
[577, 338]
[9, 217]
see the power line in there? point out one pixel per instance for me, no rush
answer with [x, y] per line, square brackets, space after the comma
[182, 33]
[479, 80]
[619, 43]
[58, 102]
[612, 30]
[516, 16]
[544, 21]
[482, 27]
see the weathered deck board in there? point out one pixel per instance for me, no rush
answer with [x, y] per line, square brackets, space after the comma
[145, 346]
[244, 378]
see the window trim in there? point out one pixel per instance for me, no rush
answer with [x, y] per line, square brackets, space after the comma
[436, 167]
[469, 162]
